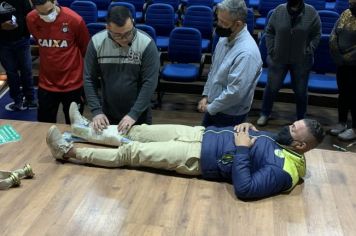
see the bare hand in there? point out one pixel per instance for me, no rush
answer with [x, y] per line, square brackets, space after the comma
[242, 138]
[100, 122]
[244, 127]
[203, 104]
[125, 124]
[7, 25]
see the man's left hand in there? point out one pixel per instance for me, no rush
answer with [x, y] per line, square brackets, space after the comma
[125, 124]
[242, 138]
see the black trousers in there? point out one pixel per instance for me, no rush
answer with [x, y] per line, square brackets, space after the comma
[346, 82]
[48, 103]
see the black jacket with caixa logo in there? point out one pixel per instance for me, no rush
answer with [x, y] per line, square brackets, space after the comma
[22, 7]
[128, 76]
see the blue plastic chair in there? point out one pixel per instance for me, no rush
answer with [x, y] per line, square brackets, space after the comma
[264, 8]
[208, 3]
[323, 79]
[184, 49]
[341, 6]
[86, 9]
[94, 28]
[328, 19]
[65, 3]
[201, 18]
[148, 29]
[262, 82]
[161, 18]
[130, 6]
[250, 21]
[174, 3]
[317, 4]
[102, 6]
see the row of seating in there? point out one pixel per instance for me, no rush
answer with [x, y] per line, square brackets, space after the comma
[161, 17]
[96, 10]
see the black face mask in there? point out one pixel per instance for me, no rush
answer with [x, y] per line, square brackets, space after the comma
[284, 137]
[223, 32]
[353, 9]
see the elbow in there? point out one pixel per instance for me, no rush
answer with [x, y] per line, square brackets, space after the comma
[242, 192]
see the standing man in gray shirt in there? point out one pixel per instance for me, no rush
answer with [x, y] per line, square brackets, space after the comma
[292, 35]
[125, 61]
[235, 70]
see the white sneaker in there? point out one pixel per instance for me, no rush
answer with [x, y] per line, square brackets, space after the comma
[262, 121]
[75, 117]
[338, 128]
[57, 143]
[347, 135]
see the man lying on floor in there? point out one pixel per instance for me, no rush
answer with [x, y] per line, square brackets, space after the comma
[259, 164]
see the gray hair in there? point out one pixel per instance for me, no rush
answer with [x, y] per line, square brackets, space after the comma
[236, 8]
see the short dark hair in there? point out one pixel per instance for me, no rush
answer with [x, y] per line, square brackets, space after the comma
[315, 129]
[119, 15]
[40, 2]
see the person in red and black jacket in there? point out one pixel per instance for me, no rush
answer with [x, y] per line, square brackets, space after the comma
[62, 37]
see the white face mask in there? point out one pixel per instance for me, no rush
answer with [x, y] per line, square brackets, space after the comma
[51, 17]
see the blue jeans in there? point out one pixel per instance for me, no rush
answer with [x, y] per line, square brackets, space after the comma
[299, 76]
[15, 57]
[222, 120]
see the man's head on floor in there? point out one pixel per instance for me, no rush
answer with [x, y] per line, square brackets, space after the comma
[302, 135]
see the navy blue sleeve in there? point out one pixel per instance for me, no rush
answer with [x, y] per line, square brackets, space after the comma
[267, 181]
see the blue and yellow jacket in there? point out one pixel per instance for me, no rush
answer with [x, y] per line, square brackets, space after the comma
[262, 170]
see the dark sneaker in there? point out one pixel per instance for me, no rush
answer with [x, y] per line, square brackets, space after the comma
[30, 104]
[17, 107]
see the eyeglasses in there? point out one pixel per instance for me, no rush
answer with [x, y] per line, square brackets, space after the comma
[125, 35]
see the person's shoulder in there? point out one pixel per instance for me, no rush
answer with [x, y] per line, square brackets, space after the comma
[309, 9]
[280, 8]
[32, 16]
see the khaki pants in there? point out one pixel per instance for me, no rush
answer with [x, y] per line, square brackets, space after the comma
[170, 147]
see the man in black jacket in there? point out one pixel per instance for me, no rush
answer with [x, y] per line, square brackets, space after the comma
[15, 55]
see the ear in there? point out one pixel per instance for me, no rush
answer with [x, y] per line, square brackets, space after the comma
[299, 145]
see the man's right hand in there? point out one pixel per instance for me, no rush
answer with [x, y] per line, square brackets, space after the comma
[244, 127]
[100, 122]
[203, 104]
[7, 25]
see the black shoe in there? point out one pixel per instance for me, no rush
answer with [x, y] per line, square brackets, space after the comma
[30, 104]
[17, 107]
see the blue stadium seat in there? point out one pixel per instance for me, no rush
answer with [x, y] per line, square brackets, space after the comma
[65, 3]
[94, 28]
[328, 19]
[184, 50]
[102, 6]
[264, 8]
[317, 4]
[86, 9]
[208, 3]
[323, 79]
[341, 6]
[201, 18]
[148, 29]
[250, 21]
[161, 18]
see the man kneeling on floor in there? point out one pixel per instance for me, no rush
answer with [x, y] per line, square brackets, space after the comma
[259, 164]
